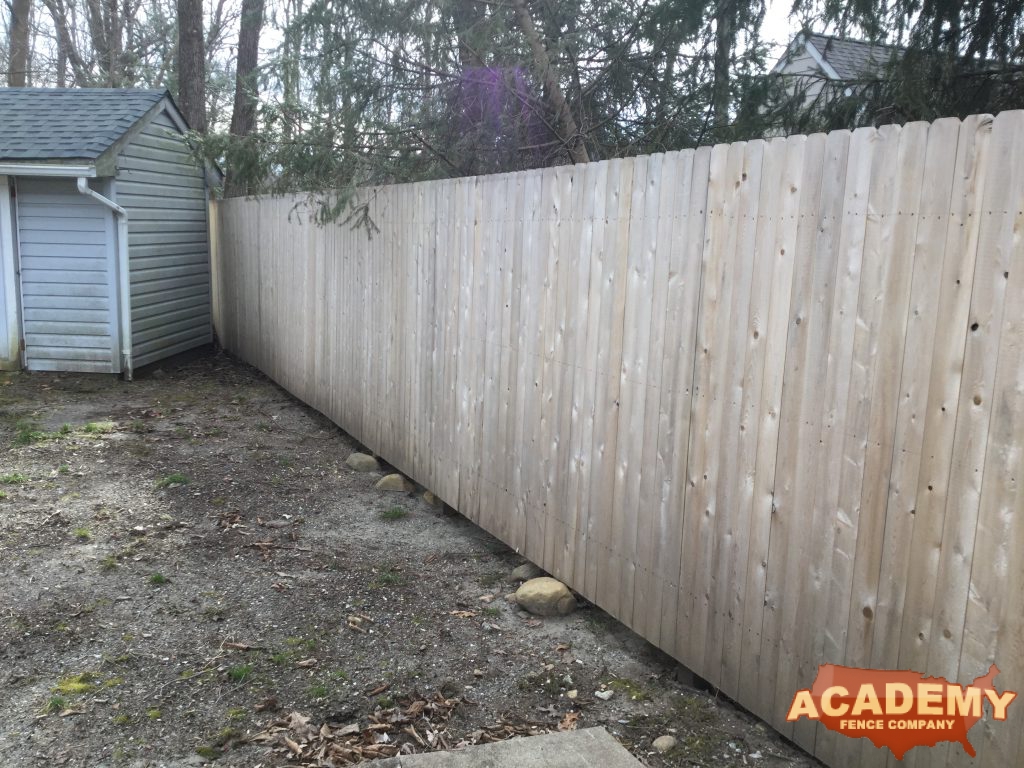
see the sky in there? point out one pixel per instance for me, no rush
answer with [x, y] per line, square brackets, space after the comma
[778, 29]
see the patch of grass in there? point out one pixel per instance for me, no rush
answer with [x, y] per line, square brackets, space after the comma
[3, 495]
[385, 702]
[28, 432]
[491, 610]
[224, 735]
[13, 478]
[63, 469]
[240, 673]
[630, 688]
[305, 643]
[319, 691]
[122, 719]
[154, 714]
[138, 427]
[237, 713]
[99, 427]
[65, 429]
[388, 578]
[175, 478]
[208, 752]
[158, 580]
[82, 534]
[55, 704]
[108, 563]
[76, 685]
[394, 513]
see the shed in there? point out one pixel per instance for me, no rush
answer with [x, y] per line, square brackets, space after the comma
[104, 240]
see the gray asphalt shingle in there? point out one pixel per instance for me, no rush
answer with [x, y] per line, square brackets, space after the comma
[852, 59]
[68, 123]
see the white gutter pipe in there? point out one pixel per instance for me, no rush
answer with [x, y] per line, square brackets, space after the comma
[123, 281]
[46, 169]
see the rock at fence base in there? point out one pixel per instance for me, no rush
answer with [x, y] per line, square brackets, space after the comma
[664, 744]
[431, 499]
[526, 571]
[546, 597]
[362, 462]
[394, 482]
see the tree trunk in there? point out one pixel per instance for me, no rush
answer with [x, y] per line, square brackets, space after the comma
[17, 70]
[724, 38]
[467, 15]
[567, 124]
[191, 64]
[243, 116]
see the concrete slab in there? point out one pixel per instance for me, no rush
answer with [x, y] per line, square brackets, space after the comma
[588, 748]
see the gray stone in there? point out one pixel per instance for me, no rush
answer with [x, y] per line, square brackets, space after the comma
[664, 744]
[546, 596]
[362, 462]
[394, 482]
[526, 571]
[585, 748]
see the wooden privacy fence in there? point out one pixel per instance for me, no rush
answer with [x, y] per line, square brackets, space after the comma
[763, 402]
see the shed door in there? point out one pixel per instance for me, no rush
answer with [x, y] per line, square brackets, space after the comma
[68, 269]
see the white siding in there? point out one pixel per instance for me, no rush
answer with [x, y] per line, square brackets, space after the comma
[10, 328]
[803, 71]
[164, 192]
[66, 244]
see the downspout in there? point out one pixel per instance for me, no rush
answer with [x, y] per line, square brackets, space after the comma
[123, 281]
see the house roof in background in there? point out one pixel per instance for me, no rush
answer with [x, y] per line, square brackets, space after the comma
[65, 124]
[853, 58]
[842, 58]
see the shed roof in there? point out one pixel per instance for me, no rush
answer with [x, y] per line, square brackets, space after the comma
[60, 124]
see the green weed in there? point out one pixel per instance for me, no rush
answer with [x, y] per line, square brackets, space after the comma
[394, 513]
[240, 673]
[175, 478]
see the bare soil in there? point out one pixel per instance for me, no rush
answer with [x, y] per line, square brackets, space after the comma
[185, 560]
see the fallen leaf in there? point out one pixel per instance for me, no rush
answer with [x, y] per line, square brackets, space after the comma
[568, 722]
[294, 747]
[465, 614]
[379, 689]
[241, 646]
[267, 705]
[306, 663]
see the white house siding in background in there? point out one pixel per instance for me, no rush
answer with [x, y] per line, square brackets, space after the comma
[68, 268]
[10, 332]
[164, 192]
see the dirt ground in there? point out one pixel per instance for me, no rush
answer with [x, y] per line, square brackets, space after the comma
[190, 575]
